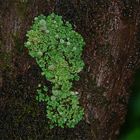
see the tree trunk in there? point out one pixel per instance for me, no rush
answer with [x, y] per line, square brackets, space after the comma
[111, 30]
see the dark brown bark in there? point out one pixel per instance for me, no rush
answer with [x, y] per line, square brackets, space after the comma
[112, 33]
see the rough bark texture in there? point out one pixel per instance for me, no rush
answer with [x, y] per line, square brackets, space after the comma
[111, 30]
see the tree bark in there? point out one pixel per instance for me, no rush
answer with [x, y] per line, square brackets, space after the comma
[111, 30]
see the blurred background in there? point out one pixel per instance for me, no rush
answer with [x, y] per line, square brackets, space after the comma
[131, 128]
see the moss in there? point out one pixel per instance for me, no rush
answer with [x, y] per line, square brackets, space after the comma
[21, 8]
[5, 59]
[18, 43]
[23, 1]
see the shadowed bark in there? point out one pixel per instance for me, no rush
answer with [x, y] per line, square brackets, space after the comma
[111, 30]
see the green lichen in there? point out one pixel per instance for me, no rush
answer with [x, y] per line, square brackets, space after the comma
[57, 49]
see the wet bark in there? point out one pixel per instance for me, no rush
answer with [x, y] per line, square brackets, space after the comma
[111, 30]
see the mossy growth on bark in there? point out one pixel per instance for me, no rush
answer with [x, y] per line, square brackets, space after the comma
[57, 49]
